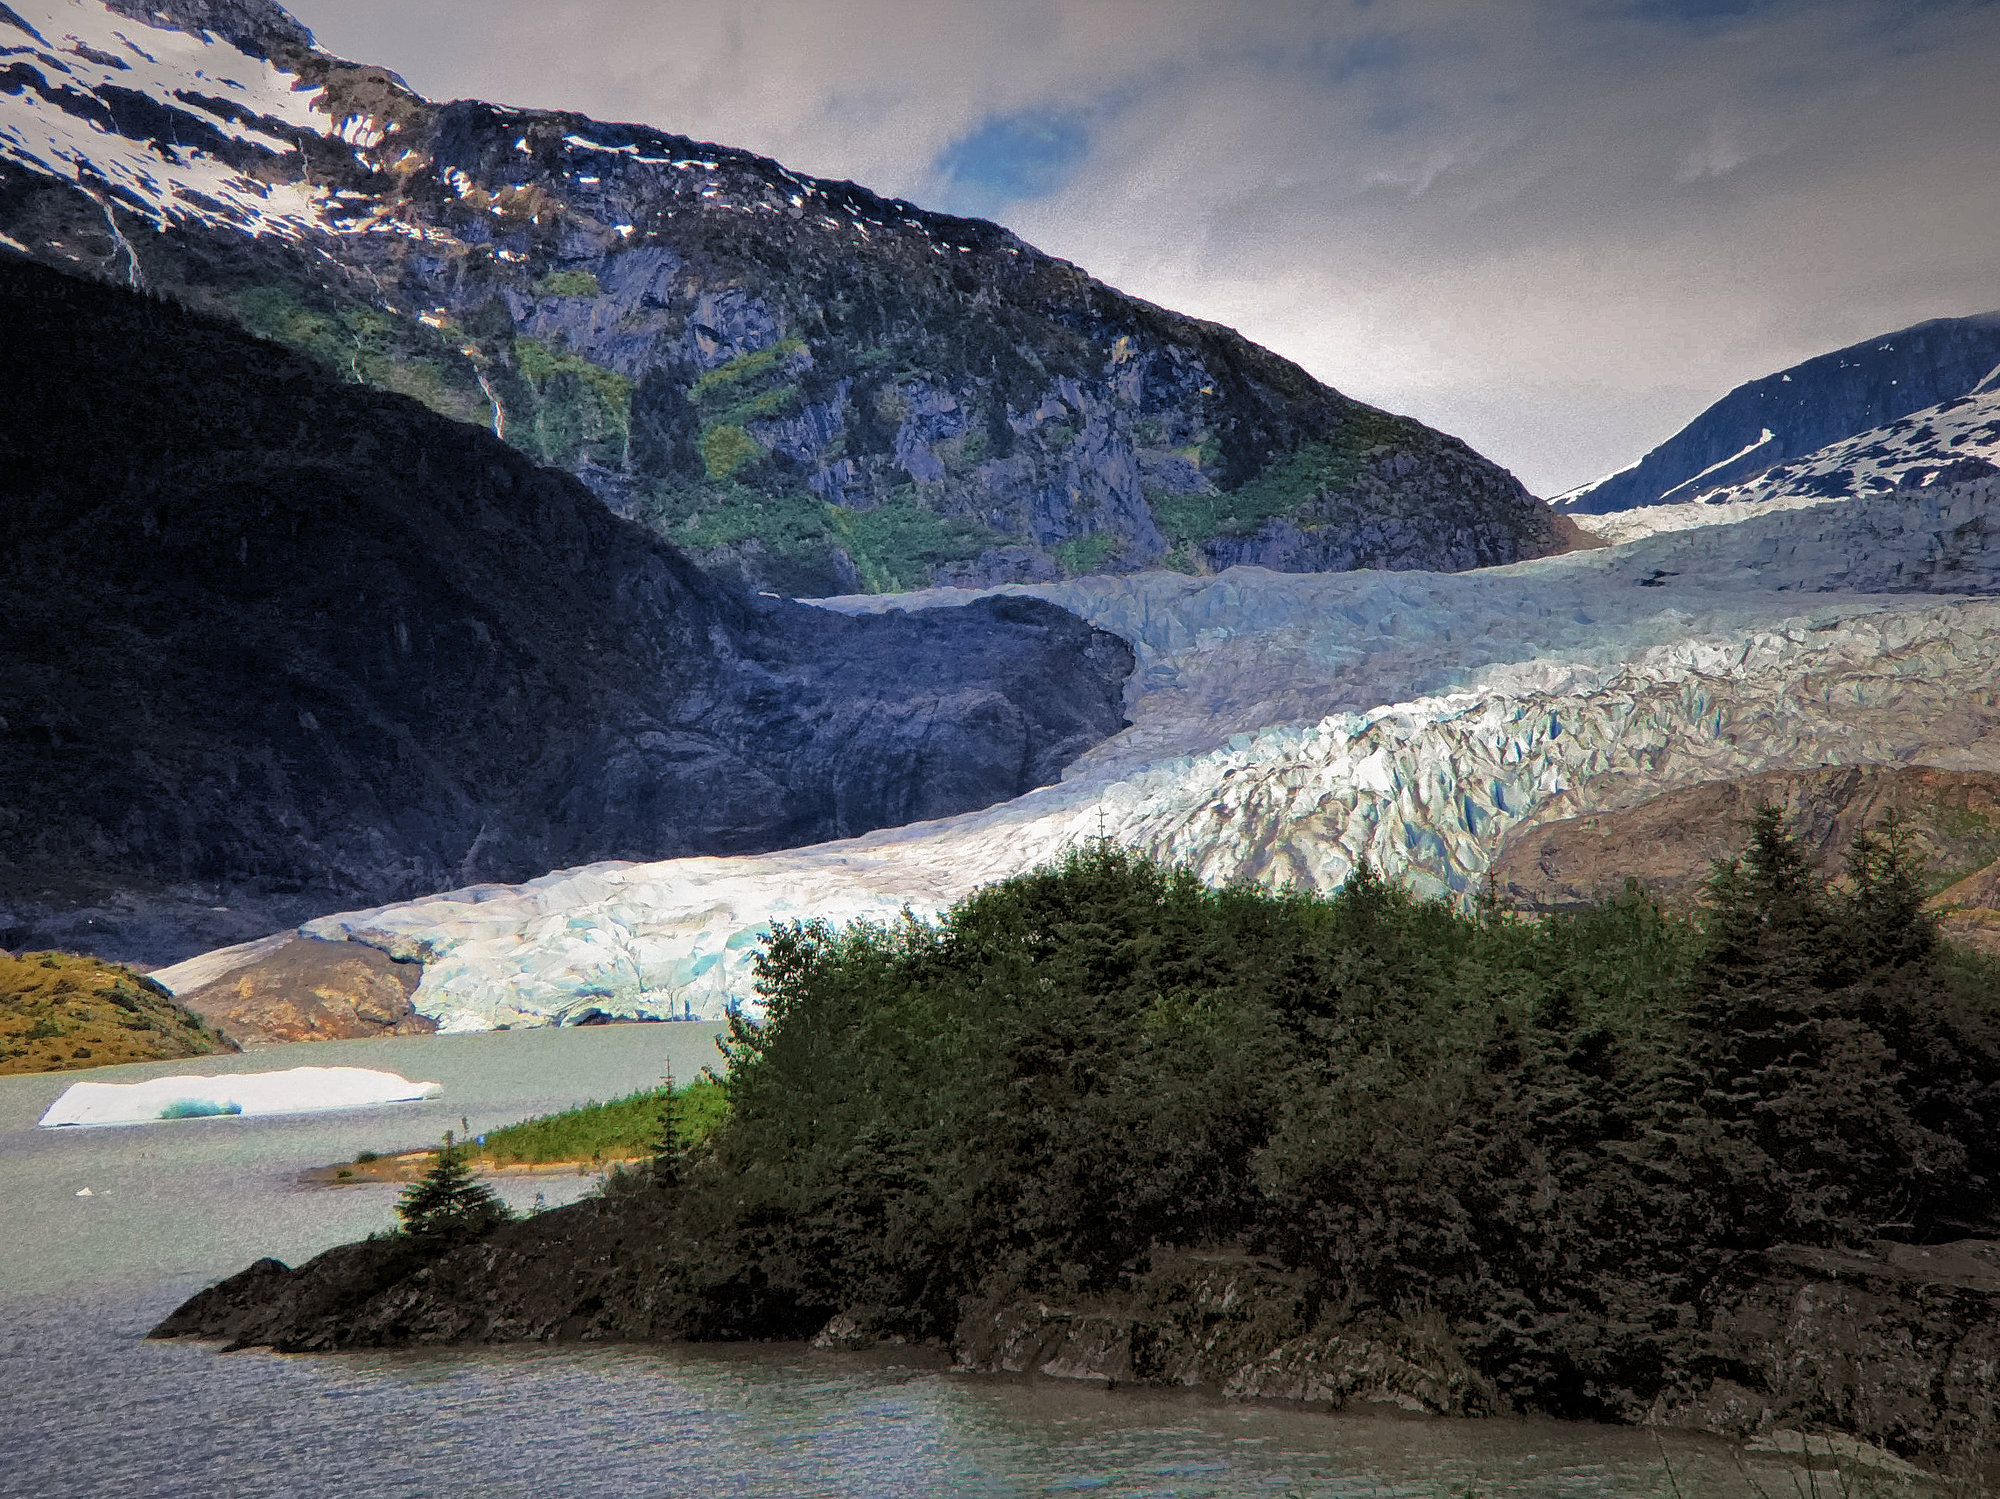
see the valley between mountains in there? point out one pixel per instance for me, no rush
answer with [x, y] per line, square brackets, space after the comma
[474, 568]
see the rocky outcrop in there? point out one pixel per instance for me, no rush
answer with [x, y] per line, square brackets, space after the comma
[1896, 1348]
[268, 630]
[1968, 912]
[1898, 1345]
[302, 990]
[1234, 1324]
[587, 1272]
[1670, 843]
[810, 387]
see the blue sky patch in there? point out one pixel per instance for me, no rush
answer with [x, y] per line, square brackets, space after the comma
[1012, 159]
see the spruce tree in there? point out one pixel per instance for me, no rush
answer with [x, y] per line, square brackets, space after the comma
[1888, 930]
[667, 1149]
[449, 1200]
[1801, 1024]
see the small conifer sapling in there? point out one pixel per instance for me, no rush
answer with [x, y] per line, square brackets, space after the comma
[449, 1199]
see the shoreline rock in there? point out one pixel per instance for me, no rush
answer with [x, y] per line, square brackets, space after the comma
[1890, 1356]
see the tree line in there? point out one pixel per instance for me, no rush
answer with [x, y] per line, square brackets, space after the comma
[1571, 1138]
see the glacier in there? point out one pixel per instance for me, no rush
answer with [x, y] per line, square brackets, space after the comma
[296, 1090]
[1283, 726]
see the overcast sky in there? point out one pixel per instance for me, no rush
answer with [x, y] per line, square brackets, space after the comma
[1556, 228]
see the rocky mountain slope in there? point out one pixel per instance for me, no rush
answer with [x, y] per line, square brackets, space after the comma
[1894, 410]
[805, 385]
[1670, 843]
[278, 641]
[1285, 726]
[296, 990]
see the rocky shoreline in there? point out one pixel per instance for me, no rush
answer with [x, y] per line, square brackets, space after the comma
[1889, 1356]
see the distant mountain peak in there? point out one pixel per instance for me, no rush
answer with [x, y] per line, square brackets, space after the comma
[1756, 441]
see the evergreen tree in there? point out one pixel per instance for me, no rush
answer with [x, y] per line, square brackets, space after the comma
[448, 1200]
[1801, 1018]
[1884, 920]
[668, 1152]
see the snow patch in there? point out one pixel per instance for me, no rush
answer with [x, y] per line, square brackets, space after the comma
[1714, 468]
[242, 97]
[1908, 452]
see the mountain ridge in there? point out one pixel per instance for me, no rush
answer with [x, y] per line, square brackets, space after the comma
[810, 387]
[1782, 420]
[273, 637]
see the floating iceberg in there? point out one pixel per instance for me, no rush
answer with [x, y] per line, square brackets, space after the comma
[298, 1090]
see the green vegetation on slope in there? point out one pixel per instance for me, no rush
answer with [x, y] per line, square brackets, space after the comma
[744, 368]
[726, 448]
[895, 545]
[580, 408]
[569, 284]
[788, 537]
[369, 347]
[59, 1012]
[1316, 469]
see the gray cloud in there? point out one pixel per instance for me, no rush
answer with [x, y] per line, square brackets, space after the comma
[1556, 227]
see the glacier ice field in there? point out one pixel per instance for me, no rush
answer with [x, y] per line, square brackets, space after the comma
[1283, 726]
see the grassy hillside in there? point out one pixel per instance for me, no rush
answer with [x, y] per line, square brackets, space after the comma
[621, 1130]
[59, 1012]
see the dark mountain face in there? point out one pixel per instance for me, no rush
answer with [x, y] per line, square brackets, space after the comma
[805, 385]
[278, 639]
[1798, 411]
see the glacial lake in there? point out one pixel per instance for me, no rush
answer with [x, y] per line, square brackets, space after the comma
[92, 1409]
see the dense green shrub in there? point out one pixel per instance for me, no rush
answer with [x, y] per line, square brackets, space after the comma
[577, 407]
[569, 284]
[725, 449]
[726, 378]
[1568, 1137]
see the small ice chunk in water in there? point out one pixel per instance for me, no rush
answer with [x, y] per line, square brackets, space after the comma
[298, 1090]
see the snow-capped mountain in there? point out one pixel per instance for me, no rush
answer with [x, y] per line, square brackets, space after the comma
[1285, 726]
[1944, 444]
[804, 384]
[1796, 435]
[162, 122]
